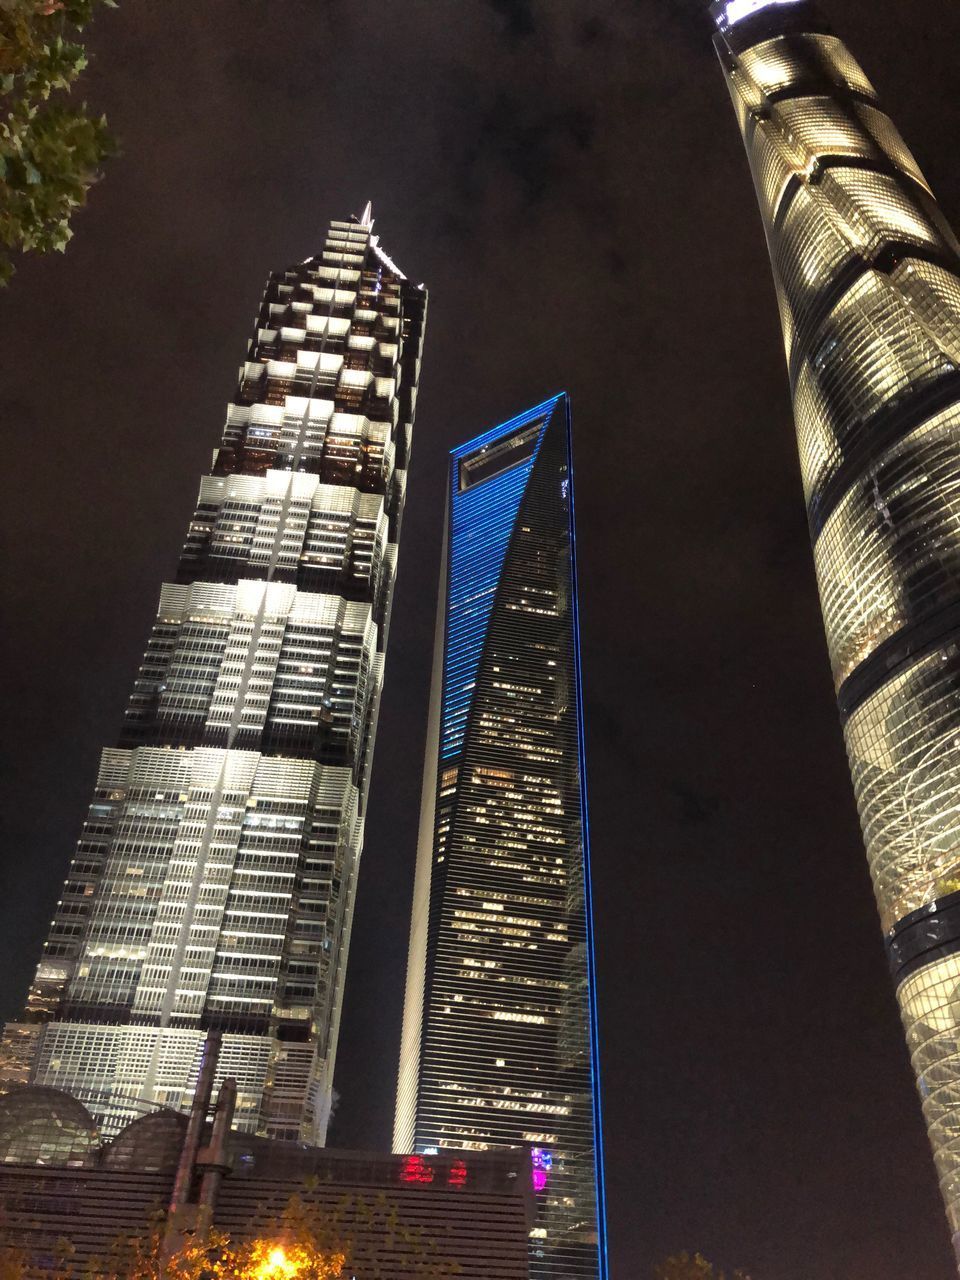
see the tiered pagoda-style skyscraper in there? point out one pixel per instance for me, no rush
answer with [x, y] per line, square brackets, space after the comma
[868, 280]
[499, 1034]
[213, 884]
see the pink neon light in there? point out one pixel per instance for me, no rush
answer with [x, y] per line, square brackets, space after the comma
[542, 1162]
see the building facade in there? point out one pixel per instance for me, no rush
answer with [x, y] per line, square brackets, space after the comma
[212, 887]
[867, 275]
[396, 1216]
[499, 1034]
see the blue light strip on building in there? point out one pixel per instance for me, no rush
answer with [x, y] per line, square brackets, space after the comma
[482, 520]
[504, 429]
[587, 886]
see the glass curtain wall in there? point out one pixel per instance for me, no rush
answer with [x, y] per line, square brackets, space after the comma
[499, 1039]
[213, 883]
[867, 275]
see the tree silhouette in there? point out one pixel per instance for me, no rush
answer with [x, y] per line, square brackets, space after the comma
[301, 1242]
[684, 1267]
[51, 149]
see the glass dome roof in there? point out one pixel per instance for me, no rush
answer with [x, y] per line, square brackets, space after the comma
[40, 1125]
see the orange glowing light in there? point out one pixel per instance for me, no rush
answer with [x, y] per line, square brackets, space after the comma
[275, 1266]
[270, 1260]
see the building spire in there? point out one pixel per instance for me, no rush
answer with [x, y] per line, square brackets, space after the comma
[366, 219]
[251, 754]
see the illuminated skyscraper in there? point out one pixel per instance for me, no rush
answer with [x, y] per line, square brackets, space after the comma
[213, 884]
[868, 280]
[499, 1035]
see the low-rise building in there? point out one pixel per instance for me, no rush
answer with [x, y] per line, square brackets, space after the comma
[67, 1198]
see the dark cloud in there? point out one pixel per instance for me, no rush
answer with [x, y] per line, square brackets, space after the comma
[567, 178]
[695, 807]
[592, 30]
[517, 16]
[531, 145]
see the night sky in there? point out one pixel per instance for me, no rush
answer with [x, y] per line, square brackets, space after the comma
[567, 178]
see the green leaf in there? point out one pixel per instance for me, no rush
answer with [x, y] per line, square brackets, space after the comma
[51, 150]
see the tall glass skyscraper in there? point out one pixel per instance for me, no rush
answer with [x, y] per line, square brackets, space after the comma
[213, 883]
[499, 1035]
[868, 281]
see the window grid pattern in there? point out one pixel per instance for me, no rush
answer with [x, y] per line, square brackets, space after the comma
[462, 1215]
[482, 520]
[775, 65]
[503, 1037]
[868, 281]
[292, 528]
[904, 512]
[930, 1008]
[903, 756]
[261, 665]
[213, 883]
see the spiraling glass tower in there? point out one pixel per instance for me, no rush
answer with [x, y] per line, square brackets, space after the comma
[213, 883]
[499, 1034]
[868, 280]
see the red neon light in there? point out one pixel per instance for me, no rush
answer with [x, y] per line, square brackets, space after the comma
[458, 1174]
[415, 1169]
